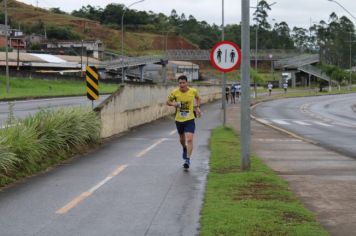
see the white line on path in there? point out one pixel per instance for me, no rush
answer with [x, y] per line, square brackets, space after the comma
[281, 122]
[86, 194]
[173, 132]
[142, 153]
[300, 122]
[322, 124]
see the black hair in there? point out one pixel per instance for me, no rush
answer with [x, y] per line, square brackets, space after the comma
[183, 77]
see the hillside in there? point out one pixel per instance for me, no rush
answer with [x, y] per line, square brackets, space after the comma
[136, 43]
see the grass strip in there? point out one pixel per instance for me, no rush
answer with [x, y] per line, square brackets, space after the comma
[255, 202]
[26, 87]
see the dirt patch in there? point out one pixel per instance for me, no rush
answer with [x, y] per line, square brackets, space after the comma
[260, 191]
[227, 170]
[291, 217]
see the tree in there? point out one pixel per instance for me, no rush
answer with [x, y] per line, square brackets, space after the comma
[89, 12]
[334, 40]
[282, 38]
[300, 38]
[112, 14]
[261, 15]
[57, 10]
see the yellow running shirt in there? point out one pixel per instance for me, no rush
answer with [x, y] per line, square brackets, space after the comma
[186, 110]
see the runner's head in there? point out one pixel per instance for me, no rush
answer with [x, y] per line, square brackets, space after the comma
[183, 83]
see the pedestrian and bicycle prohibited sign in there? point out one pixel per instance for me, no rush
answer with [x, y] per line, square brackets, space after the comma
[225, 56]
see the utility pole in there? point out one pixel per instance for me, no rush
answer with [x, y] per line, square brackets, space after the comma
[245, 137]
[223, 74]
[122, 39]
[81, 61]
[256, 54]
[18, 54]
[7, 50]
[350, 83]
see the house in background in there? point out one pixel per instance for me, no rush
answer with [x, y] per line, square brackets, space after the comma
[91, 48]
[189, 69]
[16, 38]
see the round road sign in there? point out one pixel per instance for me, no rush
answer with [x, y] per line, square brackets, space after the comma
[225, 56]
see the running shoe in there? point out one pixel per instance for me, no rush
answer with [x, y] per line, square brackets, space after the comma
[186, 163]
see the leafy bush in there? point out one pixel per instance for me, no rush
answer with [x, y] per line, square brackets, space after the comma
[44, 139]
[61, 33]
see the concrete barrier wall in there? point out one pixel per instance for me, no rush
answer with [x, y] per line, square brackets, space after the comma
[133, 105]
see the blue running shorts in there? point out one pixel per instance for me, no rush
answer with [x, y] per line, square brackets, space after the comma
[186, 126]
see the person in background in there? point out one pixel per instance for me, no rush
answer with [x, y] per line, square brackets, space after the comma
[269, 86]
[233, 93]
[285, 87]
[227, 94]
[238, 91]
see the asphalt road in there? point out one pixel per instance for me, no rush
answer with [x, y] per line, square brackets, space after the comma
[132, 185]
[21, 109]
[328, 120]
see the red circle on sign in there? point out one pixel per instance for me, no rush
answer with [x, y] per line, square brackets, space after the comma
[232, 67]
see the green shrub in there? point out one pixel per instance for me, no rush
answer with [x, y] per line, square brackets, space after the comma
[44, 139]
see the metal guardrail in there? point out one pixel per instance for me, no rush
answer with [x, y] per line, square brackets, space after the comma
[274, 54]
[295, 62]
[204, 55]
[131, 62]
[188, 55]
[312, 70]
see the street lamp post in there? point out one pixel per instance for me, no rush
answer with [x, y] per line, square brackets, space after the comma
[122, 38]
[7, 50]
[256, 44]
[256, 47]
[350, 81]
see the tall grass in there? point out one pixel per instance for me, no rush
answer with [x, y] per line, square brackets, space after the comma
[30, 145]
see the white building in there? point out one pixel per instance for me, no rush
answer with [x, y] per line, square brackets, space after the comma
[95, 47]
[186, 68]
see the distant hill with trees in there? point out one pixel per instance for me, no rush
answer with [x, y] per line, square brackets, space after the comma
[147, 31]
[331, 39]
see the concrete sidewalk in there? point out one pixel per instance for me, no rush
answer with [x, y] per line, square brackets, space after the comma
[323, 180]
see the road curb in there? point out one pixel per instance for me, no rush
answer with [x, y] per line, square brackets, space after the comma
[294, 135]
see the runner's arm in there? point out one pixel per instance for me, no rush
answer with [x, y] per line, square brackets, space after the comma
[172, 101]
[197, 107]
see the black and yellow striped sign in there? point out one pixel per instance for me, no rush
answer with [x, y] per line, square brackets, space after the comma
[92, 78]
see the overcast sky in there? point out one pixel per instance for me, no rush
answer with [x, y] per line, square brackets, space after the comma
[295, 12]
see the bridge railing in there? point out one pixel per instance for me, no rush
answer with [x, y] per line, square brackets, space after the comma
[200, 55]
[296, 62]
[132, 61]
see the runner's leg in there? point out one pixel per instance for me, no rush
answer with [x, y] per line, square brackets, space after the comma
[189, 142]
[184, 145]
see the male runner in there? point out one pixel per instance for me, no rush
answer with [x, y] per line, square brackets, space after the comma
[183, 98]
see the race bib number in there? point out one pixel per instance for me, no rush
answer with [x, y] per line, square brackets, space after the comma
[184, 114]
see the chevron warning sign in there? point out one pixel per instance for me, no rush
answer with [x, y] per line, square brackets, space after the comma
[92, 78]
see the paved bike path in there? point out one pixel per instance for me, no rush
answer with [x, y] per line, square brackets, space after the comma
[132, 185]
